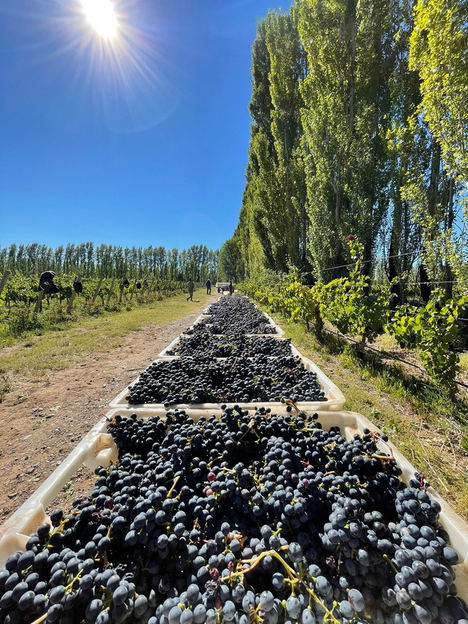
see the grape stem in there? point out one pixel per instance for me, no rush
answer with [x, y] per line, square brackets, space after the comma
[377, 437]
[41, 619]
[291, 573]
[387, 559]
[173, 486]
[291, 402]
[383, 457]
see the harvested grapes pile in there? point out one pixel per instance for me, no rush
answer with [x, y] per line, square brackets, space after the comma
[235, 315]
[190, 380]
[203, 342]
[235, 326]
[243, 519]
[233, 306]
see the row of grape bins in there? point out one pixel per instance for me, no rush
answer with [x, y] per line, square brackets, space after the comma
[334, 397]
[98, 449]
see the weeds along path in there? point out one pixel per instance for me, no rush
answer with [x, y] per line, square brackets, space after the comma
[42, 418]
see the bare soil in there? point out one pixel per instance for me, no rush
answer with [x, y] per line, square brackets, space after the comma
[40, 423]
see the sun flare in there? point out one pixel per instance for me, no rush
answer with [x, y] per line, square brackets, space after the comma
[101, 16]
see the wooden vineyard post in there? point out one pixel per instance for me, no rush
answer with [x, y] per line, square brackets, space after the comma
[4, 280]
[111, 290]
[71, 299]
[70, 302]
[97, 290]
[40, 297]
[149, 290]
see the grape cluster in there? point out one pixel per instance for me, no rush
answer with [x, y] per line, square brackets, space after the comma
[203, 342]
[190, 380]
[235, 315]
[247, 518]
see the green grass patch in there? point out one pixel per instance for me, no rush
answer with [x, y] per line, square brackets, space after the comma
[58, 348]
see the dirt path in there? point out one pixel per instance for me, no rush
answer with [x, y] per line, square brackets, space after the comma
[40, 423]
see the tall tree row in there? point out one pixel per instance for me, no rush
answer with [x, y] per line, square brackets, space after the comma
[359, 126]
[87, 259]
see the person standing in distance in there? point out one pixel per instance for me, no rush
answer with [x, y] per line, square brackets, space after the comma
[208, 287]
[190, 287]
[231, 287]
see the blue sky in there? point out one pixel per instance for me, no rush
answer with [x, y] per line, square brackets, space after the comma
[144, 144]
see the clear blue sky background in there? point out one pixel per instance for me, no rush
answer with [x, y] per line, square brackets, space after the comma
[153, 153]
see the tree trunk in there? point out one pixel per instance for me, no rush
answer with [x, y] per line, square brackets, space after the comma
[432, 197]
[424, 285]
[448, 226]
[395, 289]
[4, 280]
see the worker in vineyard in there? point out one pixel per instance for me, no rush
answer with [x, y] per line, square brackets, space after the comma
[231, 287]
[208, 286]
[190, 287]
[47, 284]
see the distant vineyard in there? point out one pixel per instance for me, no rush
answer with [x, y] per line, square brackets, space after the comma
[91, 280]
[25, 307]
[23, 290]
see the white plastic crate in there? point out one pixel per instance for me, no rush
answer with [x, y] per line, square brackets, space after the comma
[98, 448]
[335, 398]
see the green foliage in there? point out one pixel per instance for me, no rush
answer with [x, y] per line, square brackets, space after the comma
[266, 288]
[431, 330]
[19, 289]
[18, 300]
[350, 305]
[273, 222]
[302, 302]
[230, 261]
[55, 314]
[22, 320]
[354, 308]
[438, 49]
[359, 124]
[350, 48]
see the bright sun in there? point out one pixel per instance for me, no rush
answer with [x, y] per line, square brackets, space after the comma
[101, 15]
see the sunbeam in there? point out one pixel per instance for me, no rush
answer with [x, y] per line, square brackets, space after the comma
[102, 17]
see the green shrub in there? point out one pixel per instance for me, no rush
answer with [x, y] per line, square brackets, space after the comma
[22, 320]
[351, 305]
[431, 330]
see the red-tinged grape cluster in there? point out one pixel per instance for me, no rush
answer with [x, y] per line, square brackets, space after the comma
[244, 519]
[235, 315]
[204, 343]
[189, 380]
